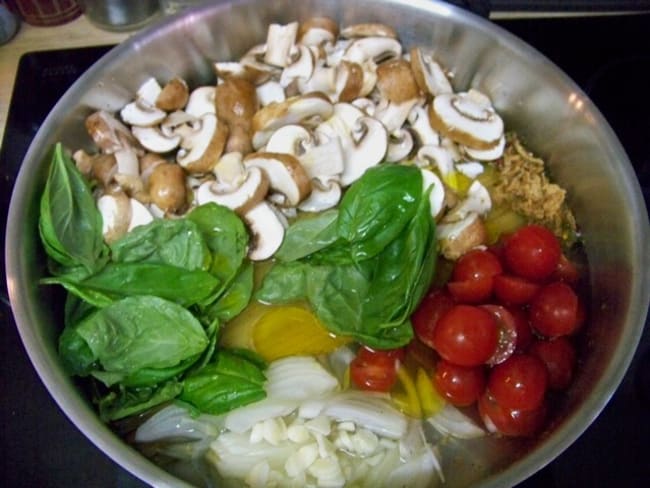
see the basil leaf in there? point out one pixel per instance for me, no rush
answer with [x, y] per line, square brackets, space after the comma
[141, 332]
[118, 280]
[235, 297]
[285, 282]
[70, 225]
[226, 237]
[308, 235]
[131, 401]
[77, 358]
[377, 207]
[163, 241]
[229, 382]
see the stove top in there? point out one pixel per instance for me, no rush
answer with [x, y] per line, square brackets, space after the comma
[608, 56]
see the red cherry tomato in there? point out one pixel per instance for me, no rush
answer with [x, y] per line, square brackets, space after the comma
[460, 385]
[466, 335]
[532, 252]
[513, 290]
[554, 310]
[566, 271]
[559, 356]
[507, 333]
[472, 276]
[510, 422]
[524, 331]
[519, 383]
[433, 306]
[375, 370]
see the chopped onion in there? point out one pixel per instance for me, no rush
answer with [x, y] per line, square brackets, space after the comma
[298, 378]
[176, 423]
[451, 421]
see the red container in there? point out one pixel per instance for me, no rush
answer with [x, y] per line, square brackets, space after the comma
[47, 12]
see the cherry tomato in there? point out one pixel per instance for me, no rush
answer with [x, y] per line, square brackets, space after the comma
[460, 385]
[510, 422]
[554, 310]
[507, 333]
[566, 271]
[559, 356]
[513, 290]
[532, 252]
[466, 335]
[433, 306]
[524, 331]
[472, 276]
[375, 370]
[519, 383]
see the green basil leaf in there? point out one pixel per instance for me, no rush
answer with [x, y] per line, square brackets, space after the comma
[70, 225]
[117, 280]
[77, 358]
[226, 237]
[177, 243]
[377, 207]
[142, 332]
[235, 298]
[284, 283]
[125, 402]
[229, 382]
[308, 235]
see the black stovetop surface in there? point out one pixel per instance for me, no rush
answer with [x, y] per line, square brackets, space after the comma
[609, 57]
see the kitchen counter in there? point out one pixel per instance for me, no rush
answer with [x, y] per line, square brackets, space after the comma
[80, 32]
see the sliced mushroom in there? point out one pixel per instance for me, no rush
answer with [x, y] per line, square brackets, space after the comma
[428, 74]
[323, 80]
[377, 49]
[468, 118]
[301, 68]
[437, 193]
[322, 197]
[457, 238]
[99, 167]
[236, 102]
[240, 199]
[250, 70]
[148, 163]
[349, 79]
[477, 201]
[279, 41]
[491, 154]
[394, 114]
[254, 60]
[173, 96]
[294, 110]
[291, 139]
[400, 145]
[368, 30]
[269, 92]
[167, 188]
[437, 157]
[267, 227]
[324, 161]
[147, 94]
[418, 118]
[180, 123]
[108, 133]
[285, 173]
[230, 170]
[366, 148]
[140, 215]
[317, 31]
[152, 139]
[201, 149]
[395, 81]
[471, 169]
[134, 114]
[201, 101]
[115, 210]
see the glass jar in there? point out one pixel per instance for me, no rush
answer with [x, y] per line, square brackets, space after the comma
[47, 12]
